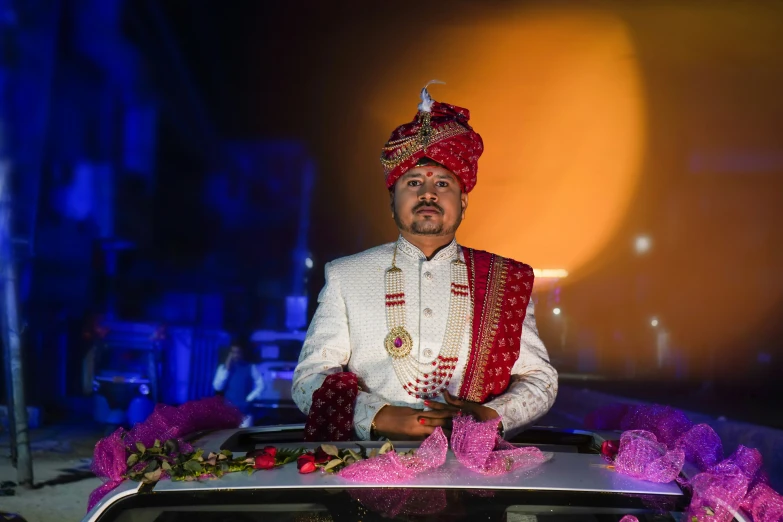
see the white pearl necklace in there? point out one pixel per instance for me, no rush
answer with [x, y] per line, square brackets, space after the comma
[425, 380]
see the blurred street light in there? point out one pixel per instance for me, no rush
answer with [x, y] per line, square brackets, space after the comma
[642, 244]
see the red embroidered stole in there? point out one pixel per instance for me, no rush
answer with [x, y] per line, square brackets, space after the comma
[501, 289]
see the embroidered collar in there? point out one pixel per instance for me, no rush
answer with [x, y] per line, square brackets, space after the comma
[409, 249]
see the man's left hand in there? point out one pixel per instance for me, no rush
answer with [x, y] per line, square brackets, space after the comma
[477, 410]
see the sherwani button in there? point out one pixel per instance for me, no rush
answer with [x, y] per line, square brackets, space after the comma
[428, 276]
[427, 312]
[427, 352]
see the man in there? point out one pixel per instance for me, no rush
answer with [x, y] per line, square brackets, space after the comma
[411, 333]
[239, 382]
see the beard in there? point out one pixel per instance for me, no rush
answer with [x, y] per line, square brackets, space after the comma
[426, 227]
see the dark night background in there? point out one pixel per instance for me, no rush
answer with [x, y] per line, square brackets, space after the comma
[177, 173]
[191, 164]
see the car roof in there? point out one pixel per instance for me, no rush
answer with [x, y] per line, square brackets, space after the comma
[568, 469]
[125, 489]
[562, 472]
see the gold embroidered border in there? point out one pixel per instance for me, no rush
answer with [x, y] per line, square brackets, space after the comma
[493, 303]
[407, 147]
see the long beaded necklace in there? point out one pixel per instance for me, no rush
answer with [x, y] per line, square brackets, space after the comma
[425, 380]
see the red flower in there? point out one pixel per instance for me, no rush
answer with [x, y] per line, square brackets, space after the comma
[308, 467]
[609, 449]
[268, 450]
[264, 462]
[307, 458]
[321, 457]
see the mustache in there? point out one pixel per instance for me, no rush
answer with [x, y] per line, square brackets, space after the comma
[427, 204]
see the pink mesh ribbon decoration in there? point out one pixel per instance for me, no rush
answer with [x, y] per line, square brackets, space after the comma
[702, 446]
[331, 412]
[391, 468]
[723, 486]
[109, 463]
[763, 504]
[174, 422]
[641, 456]
[164, 423]
[667, 423]
[735, 482]
[670, 427]
[479, 448]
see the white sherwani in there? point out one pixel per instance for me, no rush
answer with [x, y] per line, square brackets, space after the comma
[349, 328]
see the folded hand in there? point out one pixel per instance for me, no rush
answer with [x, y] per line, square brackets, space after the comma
[404, 423]
[457, 406]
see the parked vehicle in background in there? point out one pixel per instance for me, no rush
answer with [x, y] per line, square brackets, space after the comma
[126, 364]
[278, 353]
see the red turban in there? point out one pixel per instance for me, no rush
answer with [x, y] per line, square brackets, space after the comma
[440, 132]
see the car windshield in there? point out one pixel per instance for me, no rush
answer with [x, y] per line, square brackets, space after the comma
[367, 504]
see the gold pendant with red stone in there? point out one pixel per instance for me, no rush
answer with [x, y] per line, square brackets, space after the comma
[398, 342]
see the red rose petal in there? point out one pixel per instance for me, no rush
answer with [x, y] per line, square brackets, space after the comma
[307, 458]
[264, 462]
[308, 467]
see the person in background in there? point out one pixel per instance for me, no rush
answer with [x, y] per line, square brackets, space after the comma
[239, 381]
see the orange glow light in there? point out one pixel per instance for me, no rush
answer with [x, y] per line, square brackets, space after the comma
[557, 99]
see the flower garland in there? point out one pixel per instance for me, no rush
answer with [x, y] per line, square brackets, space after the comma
[112, 459]
[476, 447]
[655, 441]
[330, 459]
[148, 465]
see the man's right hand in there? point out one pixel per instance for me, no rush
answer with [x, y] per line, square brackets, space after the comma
[229, 361]
[403, 423]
